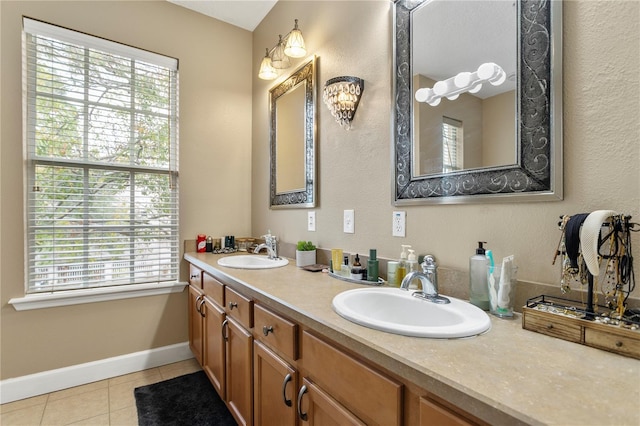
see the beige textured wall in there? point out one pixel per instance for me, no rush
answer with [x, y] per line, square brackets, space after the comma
[601, 134]
[215, 144]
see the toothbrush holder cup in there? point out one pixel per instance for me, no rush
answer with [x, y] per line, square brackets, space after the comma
[502, 279]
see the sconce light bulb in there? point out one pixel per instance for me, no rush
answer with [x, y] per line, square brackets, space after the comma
[440, 88]
[435, 102]
[462, 79]
[476, 88]
[422, 94]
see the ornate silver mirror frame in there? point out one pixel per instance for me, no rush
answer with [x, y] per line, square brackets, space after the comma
[538, 172]
[303, 196]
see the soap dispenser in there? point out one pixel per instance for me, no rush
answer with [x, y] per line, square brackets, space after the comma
[478, 285]
[402, 263]
[412, 262]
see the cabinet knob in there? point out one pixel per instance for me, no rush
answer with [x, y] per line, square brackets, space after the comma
[549, 326]
[618, 344]
[267, 329]
[303, 416]
[287, 379]
[232, 305]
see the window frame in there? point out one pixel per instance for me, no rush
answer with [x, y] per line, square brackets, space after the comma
[104, 290]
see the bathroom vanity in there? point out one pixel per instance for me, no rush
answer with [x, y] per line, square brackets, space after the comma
[276, 352]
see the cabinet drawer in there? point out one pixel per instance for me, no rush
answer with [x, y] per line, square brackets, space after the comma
[195, 276]
[371, 396]
[432, 413]
[567, 330]
[612, 342]
[238, 307]
[276, 332]
[213, 288]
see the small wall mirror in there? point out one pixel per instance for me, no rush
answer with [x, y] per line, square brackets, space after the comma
[293, 140]
[499, 142]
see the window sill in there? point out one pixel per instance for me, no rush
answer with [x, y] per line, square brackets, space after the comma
[77, 297]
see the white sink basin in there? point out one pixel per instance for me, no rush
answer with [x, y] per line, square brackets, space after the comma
[396, 311]
[248, 261]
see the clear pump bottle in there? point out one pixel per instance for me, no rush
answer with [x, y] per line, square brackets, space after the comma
[478, 285]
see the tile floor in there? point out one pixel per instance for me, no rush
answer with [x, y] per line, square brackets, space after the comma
[107, 402]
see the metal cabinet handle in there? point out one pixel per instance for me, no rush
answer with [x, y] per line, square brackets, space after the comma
[619, 344]
[232, 305]
[303, 416]
[193, 277]
[225, 324]
[267, 329]
[197, 303]
[202, 302]
[287, 379]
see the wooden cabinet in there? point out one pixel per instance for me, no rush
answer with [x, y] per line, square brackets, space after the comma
[239, 368]
[214, 354]
[196, 331]
[359, 389]
[435, 414]
[275, 375]
[275, 384]
[321, 409]
[239, 355]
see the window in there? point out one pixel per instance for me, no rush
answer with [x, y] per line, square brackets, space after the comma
[452, 137]
[101, 157]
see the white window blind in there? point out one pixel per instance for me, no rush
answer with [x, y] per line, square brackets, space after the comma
[452, 138]
[102, 166]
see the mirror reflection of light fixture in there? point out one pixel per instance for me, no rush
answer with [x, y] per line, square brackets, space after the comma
[470, 82]
[342, 96]
[277, 58]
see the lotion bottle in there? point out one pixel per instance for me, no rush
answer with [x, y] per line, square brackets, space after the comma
[478, 285]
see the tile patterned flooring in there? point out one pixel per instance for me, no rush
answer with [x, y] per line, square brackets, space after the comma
[107, 402]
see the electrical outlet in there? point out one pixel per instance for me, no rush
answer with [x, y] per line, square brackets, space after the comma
[311, 221]
[349, 222]
[399, 224]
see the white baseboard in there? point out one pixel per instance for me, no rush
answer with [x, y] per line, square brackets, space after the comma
[75, 375]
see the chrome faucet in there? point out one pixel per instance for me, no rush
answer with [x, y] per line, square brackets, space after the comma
[428, 280]
[271, 244]
[430, 269]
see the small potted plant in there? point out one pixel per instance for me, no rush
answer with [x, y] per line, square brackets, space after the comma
[305, 253]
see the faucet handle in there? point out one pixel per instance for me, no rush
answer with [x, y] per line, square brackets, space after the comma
[429, 262]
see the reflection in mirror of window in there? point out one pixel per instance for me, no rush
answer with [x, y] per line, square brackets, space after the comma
[452, 145]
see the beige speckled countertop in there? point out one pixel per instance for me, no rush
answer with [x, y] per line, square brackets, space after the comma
[505, 376]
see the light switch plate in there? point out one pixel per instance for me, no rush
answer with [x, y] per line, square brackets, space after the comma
[399, 224]
[311, 221]
[349, 222]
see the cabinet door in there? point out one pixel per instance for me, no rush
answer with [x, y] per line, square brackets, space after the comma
[321, 409]
[275, 384]
[196, 322]
[434, 414]
[214, 345]
[239, 372]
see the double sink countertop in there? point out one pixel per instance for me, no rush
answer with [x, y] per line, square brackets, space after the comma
[506, 376]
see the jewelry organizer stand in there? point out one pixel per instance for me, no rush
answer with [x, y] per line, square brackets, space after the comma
[615, 330]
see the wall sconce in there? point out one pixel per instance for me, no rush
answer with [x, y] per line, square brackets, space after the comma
[342, 96]
[291, 46]
[463, 82]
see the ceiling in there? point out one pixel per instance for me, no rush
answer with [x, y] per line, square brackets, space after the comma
[245, 14]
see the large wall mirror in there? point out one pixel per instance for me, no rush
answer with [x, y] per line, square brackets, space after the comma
[293, 140]
[503, 141]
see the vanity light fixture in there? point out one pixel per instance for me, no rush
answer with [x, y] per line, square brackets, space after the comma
[342, 96]
[290, 46]
[463, 82]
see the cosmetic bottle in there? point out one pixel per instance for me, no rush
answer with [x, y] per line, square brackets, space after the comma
[402, 264]
[372, 266]
[345, 270]
[356, 269]
[392, 273]
[412, 262]
[478, 285]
